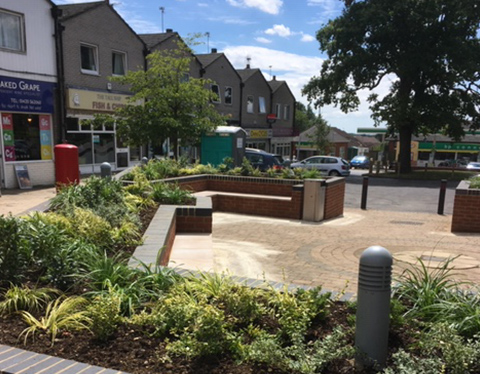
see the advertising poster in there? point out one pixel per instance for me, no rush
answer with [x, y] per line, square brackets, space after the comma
[8, 137]
[23, 177]
[45, 137]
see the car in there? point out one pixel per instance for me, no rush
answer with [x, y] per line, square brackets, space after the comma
[329, 165]
[263, 160]
[361, 162]
[473, 166]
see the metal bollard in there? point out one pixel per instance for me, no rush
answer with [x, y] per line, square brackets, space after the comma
[363, 204]
[105, 170]
[144, 160]
[373, 307]
[441, 198]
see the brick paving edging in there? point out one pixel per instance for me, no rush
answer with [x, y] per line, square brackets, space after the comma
[19, 361]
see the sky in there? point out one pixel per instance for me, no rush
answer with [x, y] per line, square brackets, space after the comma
[277, 36]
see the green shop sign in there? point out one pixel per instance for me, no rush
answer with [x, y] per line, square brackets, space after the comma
[460, 147]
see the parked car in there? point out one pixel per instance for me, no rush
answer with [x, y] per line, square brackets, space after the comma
[361, 162]
[263, 160]
[473, 166]
[334, 166]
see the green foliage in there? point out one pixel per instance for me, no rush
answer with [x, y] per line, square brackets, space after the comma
[246, 168]
[308, 173]
[104, 315]
[169, 193]
[23, 298]
[474, 182]
[61, 314]
[319, 136]
[420, 288]
[13, 259]
[406, 363]
[199, 169]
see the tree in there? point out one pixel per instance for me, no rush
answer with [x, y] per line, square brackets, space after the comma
[428, 49]
[319, 137]
[304, 117]
[166, 102]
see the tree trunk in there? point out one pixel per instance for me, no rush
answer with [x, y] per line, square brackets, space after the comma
[405, 150]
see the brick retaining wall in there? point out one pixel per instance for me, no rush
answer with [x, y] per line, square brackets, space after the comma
[466, 209]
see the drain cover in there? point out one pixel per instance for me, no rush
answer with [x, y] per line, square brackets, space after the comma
[407, 223]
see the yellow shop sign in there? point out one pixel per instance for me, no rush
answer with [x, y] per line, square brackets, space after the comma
[94, 100]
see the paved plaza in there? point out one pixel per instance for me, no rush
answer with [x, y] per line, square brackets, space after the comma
[302, 253]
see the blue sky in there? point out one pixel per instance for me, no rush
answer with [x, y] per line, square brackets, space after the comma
[278, 36]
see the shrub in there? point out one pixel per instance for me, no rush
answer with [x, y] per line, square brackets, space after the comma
[13, 258]
[104, 314]
[23, 298]
[167, 193]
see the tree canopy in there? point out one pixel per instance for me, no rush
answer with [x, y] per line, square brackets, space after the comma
[428, 49]
[167, 102]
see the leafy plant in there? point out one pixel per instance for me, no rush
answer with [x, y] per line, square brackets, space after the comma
[18, 298]
[474, 182]
[167, 193]
[105, 315]
[13, 258]
[61, 314]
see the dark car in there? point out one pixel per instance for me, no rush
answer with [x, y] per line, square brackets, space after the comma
[263, 160]
[361, 162]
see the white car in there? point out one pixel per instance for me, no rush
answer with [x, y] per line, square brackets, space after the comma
[473, 166]
[329, 165]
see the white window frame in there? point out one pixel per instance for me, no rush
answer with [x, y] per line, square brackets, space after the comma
[95, 56]
[262, 106]
[278, 111]
[20, 30]
[286, 112]
[124, 61]
[217, 91]
[250, 104]
[227, 88]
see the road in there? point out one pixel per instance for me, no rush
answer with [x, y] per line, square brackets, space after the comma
[398, 195]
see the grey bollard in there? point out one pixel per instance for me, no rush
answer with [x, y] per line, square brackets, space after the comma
[144, 160]
[373, 307]
[105, 170]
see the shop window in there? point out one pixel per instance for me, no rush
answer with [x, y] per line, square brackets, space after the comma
[72, 123]
[261, 105]
[12, 31]
[89, 58]
[249, 104]
[216, 91]
[228, 95]
[27, 137]
[84, 143]
[118, 63]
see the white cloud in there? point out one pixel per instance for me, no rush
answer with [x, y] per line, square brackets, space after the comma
[280, 30]
[231, 20]
[307, 38]
[263, 40]
[202, 5]
[267, 6]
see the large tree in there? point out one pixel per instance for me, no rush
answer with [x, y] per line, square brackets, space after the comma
[428, 49]
[167, 102]
[304, 117]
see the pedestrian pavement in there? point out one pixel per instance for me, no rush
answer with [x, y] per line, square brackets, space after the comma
[304, 253]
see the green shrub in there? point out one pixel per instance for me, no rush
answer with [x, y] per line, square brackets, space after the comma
[13, 258]
[474, 182]
[168, 193]
[23, 298]
[104, 313]
[406, 363]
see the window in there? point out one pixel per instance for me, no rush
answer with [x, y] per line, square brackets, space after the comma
[216, 91]
[278, 110]
[261, 105]
[89, 58]
[12, 31]
[249, 104]
[228, 95]
[118, 63]
[286, 112]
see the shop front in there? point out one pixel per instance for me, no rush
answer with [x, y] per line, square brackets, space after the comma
[97, 144]
[26, 144]
[259, 138]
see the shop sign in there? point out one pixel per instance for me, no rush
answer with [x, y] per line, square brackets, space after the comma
[96, 101]
[45, 137]
[8, 137]
[25, 95]
[259, 134]
[465, 147]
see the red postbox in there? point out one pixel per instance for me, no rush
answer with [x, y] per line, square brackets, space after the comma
[66, 165]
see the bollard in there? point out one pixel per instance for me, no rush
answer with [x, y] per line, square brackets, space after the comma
[363, 204]
[441, 198]
[105, 170]
[373, 308]
[144, 160]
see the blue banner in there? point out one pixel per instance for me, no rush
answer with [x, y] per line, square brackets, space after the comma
[25, 95]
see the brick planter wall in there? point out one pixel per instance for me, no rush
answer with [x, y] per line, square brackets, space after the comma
[466, 209]
[334, 197]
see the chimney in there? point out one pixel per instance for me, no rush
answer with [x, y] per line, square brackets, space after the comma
[214, 50]
[248, 66]
[274, 77]
[169, 30]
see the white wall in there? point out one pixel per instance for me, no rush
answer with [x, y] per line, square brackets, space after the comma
[39, 57]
